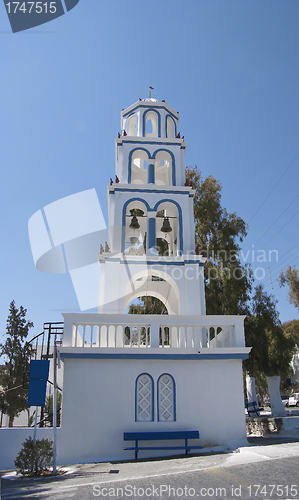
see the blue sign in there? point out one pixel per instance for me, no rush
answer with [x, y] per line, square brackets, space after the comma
[38, 377]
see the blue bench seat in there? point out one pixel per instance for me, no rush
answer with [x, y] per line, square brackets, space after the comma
[161, 436]
[253, 408]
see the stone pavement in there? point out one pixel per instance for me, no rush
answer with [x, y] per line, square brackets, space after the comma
[259, 449]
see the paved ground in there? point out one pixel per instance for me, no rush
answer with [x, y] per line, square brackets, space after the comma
[267, 468]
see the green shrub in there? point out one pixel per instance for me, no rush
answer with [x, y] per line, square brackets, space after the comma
[35, 459]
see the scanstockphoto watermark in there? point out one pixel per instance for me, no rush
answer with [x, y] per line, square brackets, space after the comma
[248, 256]
[161, 491]
[169, 491]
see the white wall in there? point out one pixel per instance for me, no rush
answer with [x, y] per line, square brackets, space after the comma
[99, 405]
[11, 440]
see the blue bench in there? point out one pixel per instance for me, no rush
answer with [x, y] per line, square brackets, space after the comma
[161, 436]
[252, 408]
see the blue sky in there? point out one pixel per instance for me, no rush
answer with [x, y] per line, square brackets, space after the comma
[230, 67]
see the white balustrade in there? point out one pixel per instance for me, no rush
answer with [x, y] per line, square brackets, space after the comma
[146, 331]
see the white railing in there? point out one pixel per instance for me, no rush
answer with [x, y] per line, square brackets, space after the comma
[152, 331]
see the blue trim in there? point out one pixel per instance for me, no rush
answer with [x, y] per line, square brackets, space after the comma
[150, 190]
[144, 121]
[181, 247]
[163, 263]
[151, 233]
[173, 395]
[178, 357]
[175, 126]
[130, 161]
[153, 401]
[152, 263]
[146, 141]
[151, 157]
[173, 162]
[151, 174]
[123, 236]
[143, 104]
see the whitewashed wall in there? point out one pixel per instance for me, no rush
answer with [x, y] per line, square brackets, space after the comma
[99, 405]
[11, 440]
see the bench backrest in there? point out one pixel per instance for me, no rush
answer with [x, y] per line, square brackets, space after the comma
[152, 436]
[253, 403]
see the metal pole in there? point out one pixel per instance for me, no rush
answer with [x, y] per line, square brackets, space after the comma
[54, 408]
[35, 424]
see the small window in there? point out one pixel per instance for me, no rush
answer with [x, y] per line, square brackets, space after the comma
[144, 398]
[149, 127]
[166, 398]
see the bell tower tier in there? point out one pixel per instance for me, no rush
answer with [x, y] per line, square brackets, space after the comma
[151, 221]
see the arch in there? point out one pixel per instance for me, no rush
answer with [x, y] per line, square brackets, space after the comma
[156, 123]
[140, 233]
[144, 398]
[168, 290]
[163, 168]
[131, 125]
[180, 219]
[166, 398]
[130, 161]
[159, 308]
[173, 176]
[170, 127]
[139, 167]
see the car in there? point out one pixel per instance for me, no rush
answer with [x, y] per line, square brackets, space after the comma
[294, 399]
[284, 399]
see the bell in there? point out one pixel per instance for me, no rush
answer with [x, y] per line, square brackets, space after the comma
[134, 223]
[166, 228]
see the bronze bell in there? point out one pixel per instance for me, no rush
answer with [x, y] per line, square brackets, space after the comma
[166, 228]
[134, 223]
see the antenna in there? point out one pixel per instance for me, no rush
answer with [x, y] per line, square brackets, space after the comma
[270, 277]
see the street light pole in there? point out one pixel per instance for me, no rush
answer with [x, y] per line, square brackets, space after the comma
[54, 408]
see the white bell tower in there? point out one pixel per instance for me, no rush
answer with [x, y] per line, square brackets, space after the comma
[151, 247]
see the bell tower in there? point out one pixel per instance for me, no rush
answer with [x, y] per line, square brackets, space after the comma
[151, 247]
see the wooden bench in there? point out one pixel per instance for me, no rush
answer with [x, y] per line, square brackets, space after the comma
[161, 436]
[255, 408]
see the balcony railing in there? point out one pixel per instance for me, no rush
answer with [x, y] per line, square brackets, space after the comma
[152, 331]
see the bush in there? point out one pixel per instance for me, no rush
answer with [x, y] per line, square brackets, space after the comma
[34, 459]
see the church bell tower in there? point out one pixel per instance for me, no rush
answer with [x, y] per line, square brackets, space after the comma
[151, 247]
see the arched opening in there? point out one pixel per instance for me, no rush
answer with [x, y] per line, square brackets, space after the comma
[139, 166]
[149, 127]
[131, 125]
[146, 304]
[153, 284]
[136, 228]
[170, 128]
[167, 229]
[163, 169]
[151, 124]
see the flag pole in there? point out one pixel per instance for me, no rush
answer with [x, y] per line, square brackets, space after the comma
[54, 408]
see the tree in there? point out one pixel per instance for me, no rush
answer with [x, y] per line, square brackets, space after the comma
[148, 305]
[291, 278]
[16, 355]
[35, 458]
[291, 328]
[49, 408]
[218, 234]
[272, 348]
